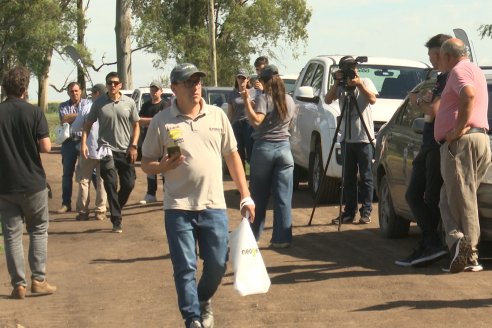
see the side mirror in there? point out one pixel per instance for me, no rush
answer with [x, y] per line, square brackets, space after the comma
[418, 125]
[306, 94]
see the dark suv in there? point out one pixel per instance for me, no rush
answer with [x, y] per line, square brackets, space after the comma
[398, 142]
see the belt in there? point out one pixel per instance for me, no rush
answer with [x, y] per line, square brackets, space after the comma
[470, 130]
[477, 130]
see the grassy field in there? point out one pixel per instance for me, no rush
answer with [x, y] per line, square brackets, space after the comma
[53, 120]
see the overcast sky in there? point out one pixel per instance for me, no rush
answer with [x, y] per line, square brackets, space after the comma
[386, 28]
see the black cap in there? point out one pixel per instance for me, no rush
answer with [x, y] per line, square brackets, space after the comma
[268, 72]
[183, 72]
[346, 60]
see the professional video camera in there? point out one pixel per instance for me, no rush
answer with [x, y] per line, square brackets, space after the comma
[347, 65]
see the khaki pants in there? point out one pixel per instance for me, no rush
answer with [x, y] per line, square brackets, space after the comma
[464, 164]
[84, 173]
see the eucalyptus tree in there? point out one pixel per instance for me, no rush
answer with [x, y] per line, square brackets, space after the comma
[178, 29]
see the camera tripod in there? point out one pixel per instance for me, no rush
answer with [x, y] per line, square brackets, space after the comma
[350, 102]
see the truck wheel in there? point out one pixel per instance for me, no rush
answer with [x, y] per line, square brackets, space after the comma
[329, 190]
[390, 224]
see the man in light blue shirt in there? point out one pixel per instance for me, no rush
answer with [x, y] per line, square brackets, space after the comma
[69, 149]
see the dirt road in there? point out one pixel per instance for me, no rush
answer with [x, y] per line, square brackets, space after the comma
[327, 279]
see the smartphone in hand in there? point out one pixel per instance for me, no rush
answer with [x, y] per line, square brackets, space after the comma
[173, 150]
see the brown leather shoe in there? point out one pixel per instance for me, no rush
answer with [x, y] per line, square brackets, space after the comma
[19, 292]
[42, 287]
[100, 216]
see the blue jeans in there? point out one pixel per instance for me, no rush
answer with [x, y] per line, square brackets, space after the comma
[358, 158]
[31, 208]
[185, 230]
[69, 154]
[272, 171]
[242, 131]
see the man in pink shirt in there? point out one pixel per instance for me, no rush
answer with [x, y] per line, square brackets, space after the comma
[461, 127]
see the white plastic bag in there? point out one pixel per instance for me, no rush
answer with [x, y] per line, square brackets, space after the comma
[62, 133]
[250, 274]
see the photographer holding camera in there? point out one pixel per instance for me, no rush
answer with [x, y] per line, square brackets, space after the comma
[357, 148]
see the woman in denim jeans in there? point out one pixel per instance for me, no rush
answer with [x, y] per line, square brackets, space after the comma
[272, 165]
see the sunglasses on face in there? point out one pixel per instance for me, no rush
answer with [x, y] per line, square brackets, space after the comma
[190, 83]
[115, 83]
[242, 78]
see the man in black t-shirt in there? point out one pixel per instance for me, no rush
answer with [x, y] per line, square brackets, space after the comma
[149, 109]
[24, 134]
[425, 183]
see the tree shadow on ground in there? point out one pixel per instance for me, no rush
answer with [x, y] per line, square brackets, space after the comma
[132, 260]
[318, 256]
[431, 304]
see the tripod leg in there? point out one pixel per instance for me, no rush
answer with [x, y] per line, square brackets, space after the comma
[327, 163]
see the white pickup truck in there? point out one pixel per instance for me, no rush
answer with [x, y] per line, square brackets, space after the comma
[313, 129]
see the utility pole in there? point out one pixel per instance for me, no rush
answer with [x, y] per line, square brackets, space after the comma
[213, 50]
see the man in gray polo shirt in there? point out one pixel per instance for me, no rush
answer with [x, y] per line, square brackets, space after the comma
[194, 204]
[118, 119]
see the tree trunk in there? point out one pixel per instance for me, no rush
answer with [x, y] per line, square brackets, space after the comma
[43, 83]
[80, 42]
[123, 43]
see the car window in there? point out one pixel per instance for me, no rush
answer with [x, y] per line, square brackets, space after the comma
[331, 80]
[289, 85]
[166, 96]
[393, 82]
[145, 97]
[318, 80]
[408, 114]
[306, 80]
[217, 98]
[135, 95]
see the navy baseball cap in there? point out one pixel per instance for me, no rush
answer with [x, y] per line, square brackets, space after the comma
[268, 72]
[183, 72]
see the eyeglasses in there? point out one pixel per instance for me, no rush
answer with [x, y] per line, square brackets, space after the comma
[191, 83]
[241, 78]
[113, 83]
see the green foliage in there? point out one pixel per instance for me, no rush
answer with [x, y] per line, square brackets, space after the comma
[53, 107]
[179, 29]
[485, 30]
[29, 33]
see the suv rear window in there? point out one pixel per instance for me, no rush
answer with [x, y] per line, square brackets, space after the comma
[392, 82]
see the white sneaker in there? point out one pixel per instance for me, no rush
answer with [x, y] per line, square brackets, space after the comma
[207, 314]
[195, 324]
[148, 199]
[473, 266]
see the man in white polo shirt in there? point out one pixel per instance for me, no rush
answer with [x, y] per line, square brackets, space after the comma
[186, 144]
